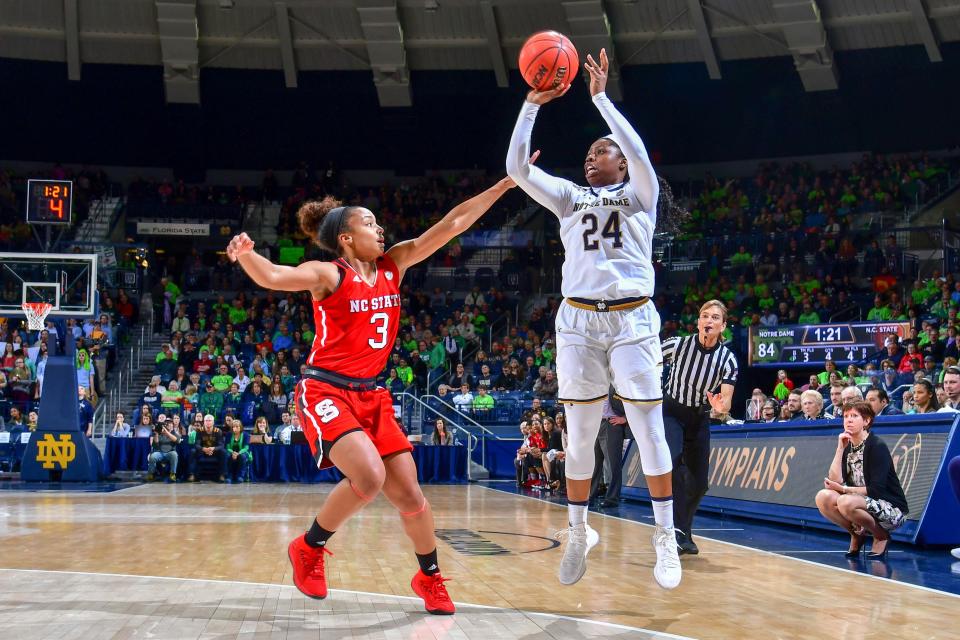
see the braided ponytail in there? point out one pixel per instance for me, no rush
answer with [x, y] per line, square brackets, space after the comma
[671, 216]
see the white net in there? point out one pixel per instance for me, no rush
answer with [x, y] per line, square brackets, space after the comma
[36, 313]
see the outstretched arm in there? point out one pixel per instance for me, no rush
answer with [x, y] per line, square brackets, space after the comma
[551, 192]
[319, 278]
[459, 219]
[642, 176]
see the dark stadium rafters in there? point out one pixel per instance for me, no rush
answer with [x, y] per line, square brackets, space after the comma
[455, 34]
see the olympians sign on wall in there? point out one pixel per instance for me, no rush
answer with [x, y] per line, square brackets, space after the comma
[789, 470]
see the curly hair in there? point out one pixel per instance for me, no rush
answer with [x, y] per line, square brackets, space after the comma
[310, 215]
[671, 216]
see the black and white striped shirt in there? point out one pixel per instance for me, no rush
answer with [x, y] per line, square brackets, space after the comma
[695, 370]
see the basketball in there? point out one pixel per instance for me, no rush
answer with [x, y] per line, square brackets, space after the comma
[548, 59]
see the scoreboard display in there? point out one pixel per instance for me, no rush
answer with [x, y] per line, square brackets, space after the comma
[49, 201]
[812, 345]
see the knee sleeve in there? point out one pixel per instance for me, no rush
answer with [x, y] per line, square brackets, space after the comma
[410, 514]
[360, 493]
[646, 423]
[583, 425]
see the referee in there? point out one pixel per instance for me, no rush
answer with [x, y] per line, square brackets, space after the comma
[700, 366]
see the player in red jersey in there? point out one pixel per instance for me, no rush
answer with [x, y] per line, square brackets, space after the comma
[348, 420]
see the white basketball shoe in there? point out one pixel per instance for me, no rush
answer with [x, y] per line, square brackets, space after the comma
[667, 571]
[580, 539]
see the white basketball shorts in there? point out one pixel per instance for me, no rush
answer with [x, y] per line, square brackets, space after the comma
[595, 349]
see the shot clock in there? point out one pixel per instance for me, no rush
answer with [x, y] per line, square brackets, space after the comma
[49, 202]
[812, 345]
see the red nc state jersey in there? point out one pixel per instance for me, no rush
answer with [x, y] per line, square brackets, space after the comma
[357, 324]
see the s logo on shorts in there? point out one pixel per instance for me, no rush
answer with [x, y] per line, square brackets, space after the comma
[326, 411]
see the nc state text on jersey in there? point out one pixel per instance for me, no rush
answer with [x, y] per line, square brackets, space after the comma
[375, 304]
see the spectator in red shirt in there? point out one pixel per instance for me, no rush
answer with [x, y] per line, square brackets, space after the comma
[203, 365]
[536, 435]
[884, 281]
[125, 307]
[912, 355]
[782, 377]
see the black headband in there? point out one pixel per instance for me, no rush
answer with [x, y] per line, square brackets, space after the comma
[331, 226]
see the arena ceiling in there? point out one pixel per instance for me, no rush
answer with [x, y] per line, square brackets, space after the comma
[392, 37]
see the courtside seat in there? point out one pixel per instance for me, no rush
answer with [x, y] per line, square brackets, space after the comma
[8, 455]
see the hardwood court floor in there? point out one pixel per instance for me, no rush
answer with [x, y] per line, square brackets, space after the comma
[209, 561]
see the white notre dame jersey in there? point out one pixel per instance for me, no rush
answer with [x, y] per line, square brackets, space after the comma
[607, 232]
[608, 241]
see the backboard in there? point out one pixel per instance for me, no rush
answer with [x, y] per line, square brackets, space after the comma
[68, 281]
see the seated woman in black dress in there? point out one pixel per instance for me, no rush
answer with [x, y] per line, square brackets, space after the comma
[862, 493]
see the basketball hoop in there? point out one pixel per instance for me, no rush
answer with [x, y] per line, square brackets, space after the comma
[36, 313]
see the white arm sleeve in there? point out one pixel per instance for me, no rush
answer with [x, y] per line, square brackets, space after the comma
[642, 176]
[553, 193]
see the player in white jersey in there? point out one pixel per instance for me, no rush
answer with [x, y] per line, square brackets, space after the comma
[608, 328]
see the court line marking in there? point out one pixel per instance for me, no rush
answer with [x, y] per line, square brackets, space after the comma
[610, 625]
[886, 581]
[721, 553]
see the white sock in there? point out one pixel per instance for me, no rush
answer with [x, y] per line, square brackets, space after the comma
[577, 514]
[663, 512]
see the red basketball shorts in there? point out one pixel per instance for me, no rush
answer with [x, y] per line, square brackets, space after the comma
[327, 413]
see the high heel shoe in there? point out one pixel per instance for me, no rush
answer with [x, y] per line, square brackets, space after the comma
[882, 556]
[853, 554]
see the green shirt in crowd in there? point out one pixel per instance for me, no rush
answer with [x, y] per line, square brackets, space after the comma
[237, 315]
[483, 402]
[405, 374]
[172, 399]
[222, 383]
[879, 314]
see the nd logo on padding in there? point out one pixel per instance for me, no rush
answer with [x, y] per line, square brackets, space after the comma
[56, 452]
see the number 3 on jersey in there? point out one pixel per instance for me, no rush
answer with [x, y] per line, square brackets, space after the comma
[610, 230]
[383, 319]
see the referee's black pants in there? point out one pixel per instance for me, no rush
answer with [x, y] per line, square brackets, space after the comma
[687, 431]
[609, 448]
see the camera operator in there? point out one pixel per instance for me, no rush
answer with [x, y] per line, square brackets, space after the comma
[164, 444]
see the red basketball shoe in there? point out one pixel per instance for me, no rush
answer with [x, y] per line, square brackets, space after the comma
[307, 564]
[436, 600]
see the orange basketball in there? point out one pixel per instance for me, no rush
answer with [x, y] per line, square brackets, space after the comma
[548, 59]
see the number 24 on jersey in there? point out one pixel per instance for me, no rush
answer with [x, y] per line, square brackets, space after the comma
[611, 231]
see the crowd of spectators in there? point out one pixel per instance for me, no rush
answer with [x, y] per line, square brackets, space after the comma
[24, 353]
[404, 209]
[795, 197]
[786, 247]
